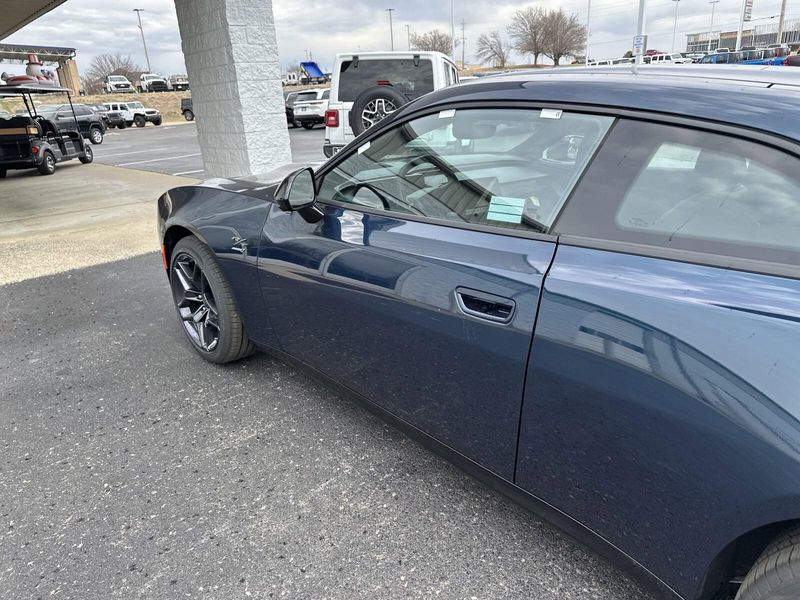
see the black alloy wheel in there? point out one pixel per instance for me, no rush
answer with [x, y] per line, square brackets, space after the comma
[48, 166]
[196, 304]
[205, 304]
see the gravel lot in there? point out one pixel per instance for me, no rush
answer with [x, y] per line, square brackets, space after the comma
[130, 468]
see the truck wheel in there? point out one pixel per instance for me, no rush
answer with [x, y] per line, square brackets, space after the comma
[88, 155]
[188, 115]
[776, 574]
[95, 135]
[140, 89]
[308, 125]
[122, 125]
[139, 121]
[374, 105]
[3, 173]
[48, 166]
[158, 121]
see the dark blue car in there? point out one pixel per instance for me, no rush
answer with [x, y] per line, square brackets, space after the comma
[582, 288]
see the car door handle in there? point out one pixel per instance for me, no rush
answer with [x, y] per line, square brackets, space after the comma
[485, 306]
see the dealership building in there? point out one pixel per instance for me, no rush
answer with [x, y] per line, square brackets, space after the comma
[759, 36]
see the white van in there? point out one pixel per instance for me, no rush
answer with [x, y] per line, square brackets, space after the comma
[368, 86]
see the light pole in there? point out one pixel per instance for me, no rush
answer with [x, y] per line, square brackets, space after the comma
[391, 28]
[741, 26]
[640, 34]
[138, 12]
[453, 29]
[713, 4]
[588, 27]
[675, 25]
[408, 35]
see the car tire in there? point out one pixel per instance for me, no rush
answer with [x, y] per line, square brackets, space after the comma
[139, 121]
[48, 166]
[199, 288]
[308, 125]
[776, 573]
[188, 115]
[140, 90]
[122, 125]
[88, 155]
[3, 173]
[378, 102]
[158, 121]
[96, 135]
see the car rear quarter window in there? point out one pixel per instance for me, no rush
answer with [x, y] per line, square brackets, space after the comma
[507, 168]
[686, 189]
[402, 74]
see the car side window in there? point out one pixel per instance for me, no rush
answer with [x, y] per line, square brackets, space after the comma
[504, 167]
[687, 189]
[326, 95]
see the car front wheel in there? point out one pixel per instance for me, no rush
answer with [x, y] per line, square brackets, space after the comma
[188, 115]
[88, 155]
[158, 121]
[95, 135]
[776, 574]
[139, 121]
[205, 304]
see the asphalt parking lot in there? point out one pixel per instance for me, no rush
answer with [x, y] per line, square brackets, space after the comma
[173, 149]
[133, 469]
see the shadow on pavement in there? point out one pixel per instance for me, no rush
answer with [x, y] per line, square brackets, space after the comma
[132, 468]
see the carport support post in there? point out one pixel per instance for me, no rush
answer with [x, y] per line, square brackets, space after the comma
[231, 58]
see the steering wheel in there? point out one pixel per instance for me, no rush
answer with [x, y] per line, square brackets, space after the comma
[421, 160]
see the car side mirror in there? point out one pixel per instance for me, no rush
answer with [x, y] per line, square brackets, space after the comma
[296, 192]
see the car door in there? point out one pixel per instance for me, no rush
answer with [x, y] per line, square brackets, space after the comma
[661, 401]
[418, 288]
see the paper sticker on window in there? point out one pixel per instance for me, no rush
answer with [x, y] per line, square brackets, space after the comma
[363, 148]
[447, 114]
[550, 113]
[506, 209]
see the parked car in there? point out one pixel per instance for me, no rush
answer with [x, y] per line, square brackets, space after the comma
[117, 84]
[135, 113]
[368, 86]
[35, 141]
[91, 125]
[309, 107]
[5, 115]
[568, 283]
[150, 82]
[288, 101]
[110, 118]
[675, 58]
[187, 109]
[291, 79]
[792, 60]
[178, 82]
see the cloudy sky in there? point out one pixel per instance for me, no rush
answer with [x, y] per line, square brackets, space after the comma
[325, 27]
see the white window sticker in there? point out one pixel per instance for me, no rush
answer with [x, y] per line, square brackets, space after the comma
[363, 148]
[550, 113]
[447, 114]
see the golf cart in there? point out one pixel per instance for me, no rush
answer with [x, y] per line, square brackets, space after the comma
[35, 142]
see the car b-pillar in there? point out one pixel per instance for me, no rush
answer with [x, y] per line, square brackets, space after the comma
[232, 62]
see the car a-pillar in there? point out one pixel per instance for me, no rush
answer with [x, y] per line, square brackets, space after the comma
[231, 55]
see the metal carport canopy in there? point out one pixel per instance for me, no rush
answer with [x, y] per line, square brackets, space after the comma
[18, 13]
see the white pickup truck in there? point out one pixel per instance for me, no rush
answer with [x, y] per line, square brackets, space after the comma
[135, 113]
[368, 86]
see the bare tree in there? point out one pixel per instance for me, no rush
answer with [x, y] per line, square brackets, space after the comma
[434, 40]
[564, 35]
[492, 49]
[104, 65]
[527, 32]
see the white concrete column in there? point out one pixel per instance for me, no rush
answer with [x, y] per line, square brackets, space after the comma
[232, 62]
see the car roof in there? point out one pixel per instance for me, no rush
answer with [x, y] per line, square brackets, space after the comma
[759, 98]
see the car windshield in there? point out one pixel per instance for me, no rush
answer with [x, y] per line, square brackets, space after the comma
[117, 78]
[401, 74]
[48, 109]
[135, 105]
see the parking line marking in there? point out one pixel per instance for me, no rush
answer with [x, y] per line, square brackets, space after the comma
[189, 172]
[132, 152]
[141, 162]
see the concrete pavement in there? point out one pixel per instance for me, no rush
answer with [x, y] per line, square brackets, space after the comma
[130, 468]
